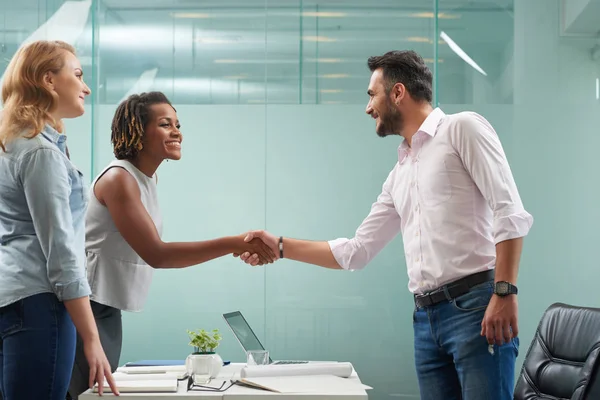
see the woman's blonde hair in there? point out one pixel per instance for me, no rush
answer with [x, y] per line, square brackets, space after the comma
[28, 104]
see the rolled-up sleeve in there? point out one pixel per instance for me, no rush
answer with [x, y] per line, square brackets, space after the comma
[374, 233]
[483, 156]
[47, 188]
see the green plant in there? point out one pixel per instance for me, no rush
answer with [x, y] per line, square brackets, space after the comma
[203, 341]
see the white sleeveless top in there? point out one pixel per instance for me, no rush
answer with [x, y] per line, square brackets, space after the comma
[117, 275]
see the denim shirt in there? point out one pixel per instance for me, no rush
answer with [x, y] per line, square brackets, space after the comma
[43, 200]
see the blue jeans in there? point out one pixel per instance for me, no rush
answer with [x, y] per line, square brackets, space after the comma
[37, 349]
[453, 360]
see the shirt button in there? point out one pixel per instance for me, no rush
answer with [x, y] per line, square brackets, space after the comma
[421, 284]
[417, 259]
[417, 233]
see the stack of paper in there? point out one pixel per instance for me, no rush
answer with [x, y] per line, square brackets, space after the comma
[339, 369]
[147, 383]
[178, 370]
[120, 376]
[154, 363]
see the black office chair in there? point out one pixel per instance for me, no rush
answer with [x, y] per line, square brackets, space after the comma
[564, 357]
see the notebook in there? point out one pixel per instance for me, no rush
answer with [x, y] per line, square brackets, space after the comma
[154, 363]
[142, 386]
[180, 370]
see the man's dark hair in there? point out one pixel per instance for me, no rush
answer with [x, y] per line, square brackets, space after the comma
[130, 121]
[408, 68]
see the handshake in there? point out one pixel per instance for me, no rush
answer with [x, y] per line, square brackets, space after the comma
[258, 248]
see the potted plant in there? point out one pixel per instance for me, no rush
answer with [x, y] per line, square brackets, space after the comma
[204, 344]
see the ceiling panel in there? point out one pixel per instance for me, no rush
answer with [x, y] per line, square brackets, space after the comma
[322, 45]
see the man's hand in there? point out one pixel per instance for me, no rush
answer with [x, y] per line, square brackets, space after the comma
[500, 323]
[268, 239]
[256, 250]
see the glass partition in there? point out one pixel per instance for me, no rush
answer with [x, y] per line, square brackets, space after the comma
[271, 95]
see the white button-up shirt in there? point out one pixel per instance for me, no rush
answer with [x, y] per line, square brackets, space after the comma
[453, 196]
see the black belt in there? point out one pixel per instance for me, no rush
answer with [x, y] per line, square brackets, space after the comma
[454, 289]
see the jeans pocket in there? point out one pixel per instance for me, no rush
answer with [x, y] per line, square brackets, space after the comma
[476, 299]
[11, 318]
[516, 343]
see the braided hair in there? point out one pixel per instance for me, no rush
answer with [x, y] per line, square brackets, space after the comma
[130, 120]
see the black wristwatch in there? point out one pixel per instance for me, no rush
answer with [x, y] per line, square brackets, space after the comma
[503, 288]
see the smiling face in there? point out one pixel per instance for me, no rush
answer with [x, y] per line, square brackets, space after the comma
[43, 83]
[162, 138]
[69, 87]
[381, 107]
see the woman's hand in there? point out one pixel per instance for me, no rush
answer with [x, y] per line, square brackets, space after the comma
[260, 253]
[99, 366]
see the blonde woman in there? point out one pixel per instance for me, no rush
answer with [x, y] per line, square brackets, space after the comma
[44, 293]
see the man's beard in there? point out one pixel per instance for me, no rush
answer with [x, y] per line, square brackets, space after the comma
[391, 123]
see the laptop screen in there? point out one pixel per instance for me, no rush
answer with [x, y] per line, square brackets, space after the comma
[242, 331]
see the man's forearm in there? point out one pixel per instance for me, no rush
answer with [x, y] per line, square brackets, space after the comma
[508, 256]
[316, 253]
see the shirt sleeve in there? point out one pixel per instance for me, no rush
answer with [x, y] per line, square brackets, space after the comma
[483, 157]
[47, 189]
[374, 233]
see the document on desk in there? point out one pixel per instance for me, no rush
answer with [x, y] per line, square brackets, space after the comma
[324, 384]
[156, 369]
[142, 386]
[120, 376]
[179, 370]
[155, 363]
[340, 369]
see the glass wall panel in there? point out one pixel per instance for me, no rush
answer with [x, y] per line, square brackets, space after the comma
[531, 68]
[271, 95]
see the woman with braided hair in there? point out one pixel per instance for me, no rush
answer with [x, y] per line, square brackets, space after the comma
[124, 226]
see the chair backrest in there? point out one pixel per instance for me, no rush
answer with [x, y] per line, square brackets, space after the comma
[563, 359]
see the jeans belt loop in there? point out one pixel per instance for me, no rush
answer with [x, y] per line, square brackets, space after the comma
[447, 293]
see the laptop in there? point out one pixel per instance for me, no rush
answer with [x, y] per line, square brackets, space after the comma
[246, 337]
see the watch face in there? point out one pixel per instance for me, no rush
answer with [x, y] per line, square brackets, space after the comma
[502, 288]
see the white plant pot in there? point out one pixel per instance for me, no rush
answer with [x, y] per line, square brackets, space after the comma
[217, 365]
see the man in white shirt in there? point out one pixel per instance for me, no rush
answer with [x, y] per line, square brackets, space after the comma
[453, 197]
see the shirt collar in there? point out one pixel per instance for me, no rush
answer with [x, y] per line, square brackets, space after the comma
[429, 127]
[432, 122]
[54, 136]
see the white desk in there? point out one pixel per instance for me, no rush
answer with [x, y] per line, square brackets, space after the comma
[236, 392]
